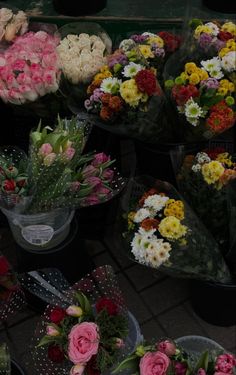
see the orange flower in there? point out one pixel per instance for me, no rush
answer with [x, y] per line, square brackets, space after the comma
[105, 113]
[228, 175]
[148, 224]
[115, 103]
[92, 87]
[106, 98]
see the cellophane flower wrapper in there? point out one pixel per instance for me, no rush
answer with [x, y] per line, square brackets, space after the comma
[11, 295]
[101, 283]
[200, 84]
[30, 73]
[231, 200]
[173, 240]
[83, 51]
[206, 180]
[13, 22]
[5, 360]
[125, 97]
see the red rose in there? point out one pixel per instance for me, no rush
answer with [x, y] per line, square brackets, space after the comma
[146, 82]
[224, 36]
[57, 315]
[91, 367]
[9, 185]
[107, 304]
[55, 353]
[4, 266]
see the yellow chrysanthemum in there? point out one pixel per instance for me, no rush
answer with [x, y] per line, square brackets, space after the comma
[194, 79]
[225, 86]
[224, 52]
[231, 44]
[225, 158]
[184, 76]
[230, 27]
[146, 51]
[202, 74]
[201, 29]
[212, 171]
[103, 75]
[174, 208]
[104, 68]
[190, 68]
[222, 91]
[130, 93]
[231, 87]
[157, 40]
[171, 228]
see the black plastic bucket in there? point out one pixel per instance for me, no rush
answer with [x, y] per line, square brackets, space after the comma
[79, 7]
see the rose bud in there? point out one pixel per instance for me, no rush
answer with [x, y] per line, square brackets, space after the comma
[77, 369]
[75, 311]
[11, 172]
[140, 351]
[167, 347]
[119, 343]
[52, 331]
[9, 186]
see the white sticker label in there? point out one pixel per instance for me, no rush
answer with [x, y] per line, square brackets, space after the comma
[37, 235]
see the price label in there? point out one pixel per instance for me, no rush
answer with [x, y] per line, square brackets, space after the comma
[37, 235]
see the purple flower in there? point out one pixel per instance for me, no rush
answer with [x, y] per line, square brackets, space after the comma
[108, 174]
[210, 83]
[205, 40]
[117, 58]
[89, 171]
[159, 52]
[218, 44]
[93, 181]
[97, 95]
[139, 38]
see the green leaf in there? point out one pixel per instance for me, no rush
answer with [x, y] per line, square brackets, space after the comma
[48, 340]
[131, 363]
[203, 361]
[84, 302]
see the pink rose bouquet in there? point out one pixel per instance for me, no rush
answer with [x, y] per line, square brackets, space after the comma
[87, 334]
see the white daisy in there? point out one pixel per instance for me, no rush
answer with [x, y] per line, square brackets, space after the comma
[212, 64]
[131, 70]
[141, 214]
[147, 233]
[155, 202]
[228, 62]
[214, 28]
[192, 110]
[110, 85]
[216, 73]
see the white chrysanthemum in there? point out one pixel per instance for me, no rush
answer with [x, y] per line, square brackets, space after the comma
[196, 168]
[141, 214]
[180, 108]
[127, 44]
[147, 233]
[152, 259]
[212, 64]
[216, 73]
[155, 202]
[202, 157]
[193, 121]
[146, 33]
[110, 85]
[228, 62]
[136, 247]
[214, 28]
[131, 70]
[192, 109]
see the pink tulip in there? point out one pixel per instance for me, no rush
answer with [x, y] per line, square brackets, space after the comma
[100, 159]
[52, 331]
[49, 159]
[75, 311]
[77, 369]
[45, 149]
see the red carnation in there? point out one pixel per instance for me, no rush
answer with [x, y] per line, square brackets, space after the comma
[4, 266]
[9, 185]
[106, 304]
[55, 353]
[224, 36]
[215, 152]
[172, 42]
[146, 82]
[91, 368]
[182, 94]
[57, 315]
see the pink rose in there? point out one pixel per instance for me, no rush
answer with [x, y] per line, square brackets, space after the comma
[155, 363]
[201, 371]
[100, 159]
[167, 347]
[77, 369]
[45, 149]
[19, 65]
[225, 363]
[180, 368]
[83, 342]
[23, 78]
[108, 175]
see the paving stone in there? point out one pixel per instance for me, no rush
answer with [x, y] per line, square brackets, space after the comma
[103, 259]
[165, 295]
[179, 322]
[6, 238]
[142, 277]
[152, 330]
[134, 302]
[117, 249]
[94, 247]
[225, 336]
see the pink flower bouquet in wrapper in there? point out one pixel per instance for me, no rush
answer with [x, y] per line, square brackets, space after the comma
[87, 332]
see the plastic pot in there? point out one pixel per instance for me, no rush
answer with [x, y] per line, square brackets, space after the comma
[214, 302]
[78, 7]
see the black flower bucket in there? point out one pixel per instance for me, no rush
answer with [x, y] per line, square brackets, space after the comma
[79, 7]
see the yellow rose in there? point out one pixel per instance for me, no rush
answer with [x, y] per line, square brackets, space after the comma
[190, 68]
[146, 51]
[212, 171]
[230, 27]
[171, 228]
[157, 40]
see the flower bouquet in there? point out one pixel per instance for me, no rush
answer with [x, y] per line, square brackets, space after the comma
[204, 180]
[39, 198]
[83, 51]
[12, 24]
[161, 231]
[11, 296]
[88, 331]
[125, 97]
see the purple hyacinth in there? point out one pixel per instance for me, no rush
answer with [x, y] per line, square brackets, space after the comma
[210, 83]
[205, 40]
[139, 38]
[158, 52]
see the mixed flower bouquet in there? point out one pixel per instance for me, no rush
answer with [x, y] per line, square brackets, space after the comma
[162, 232]
[87, 332]
[204, 180]
[127, 97]
[83, 51]
[166, 357]
[11, 296]
[12, 24]
[56, 174]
